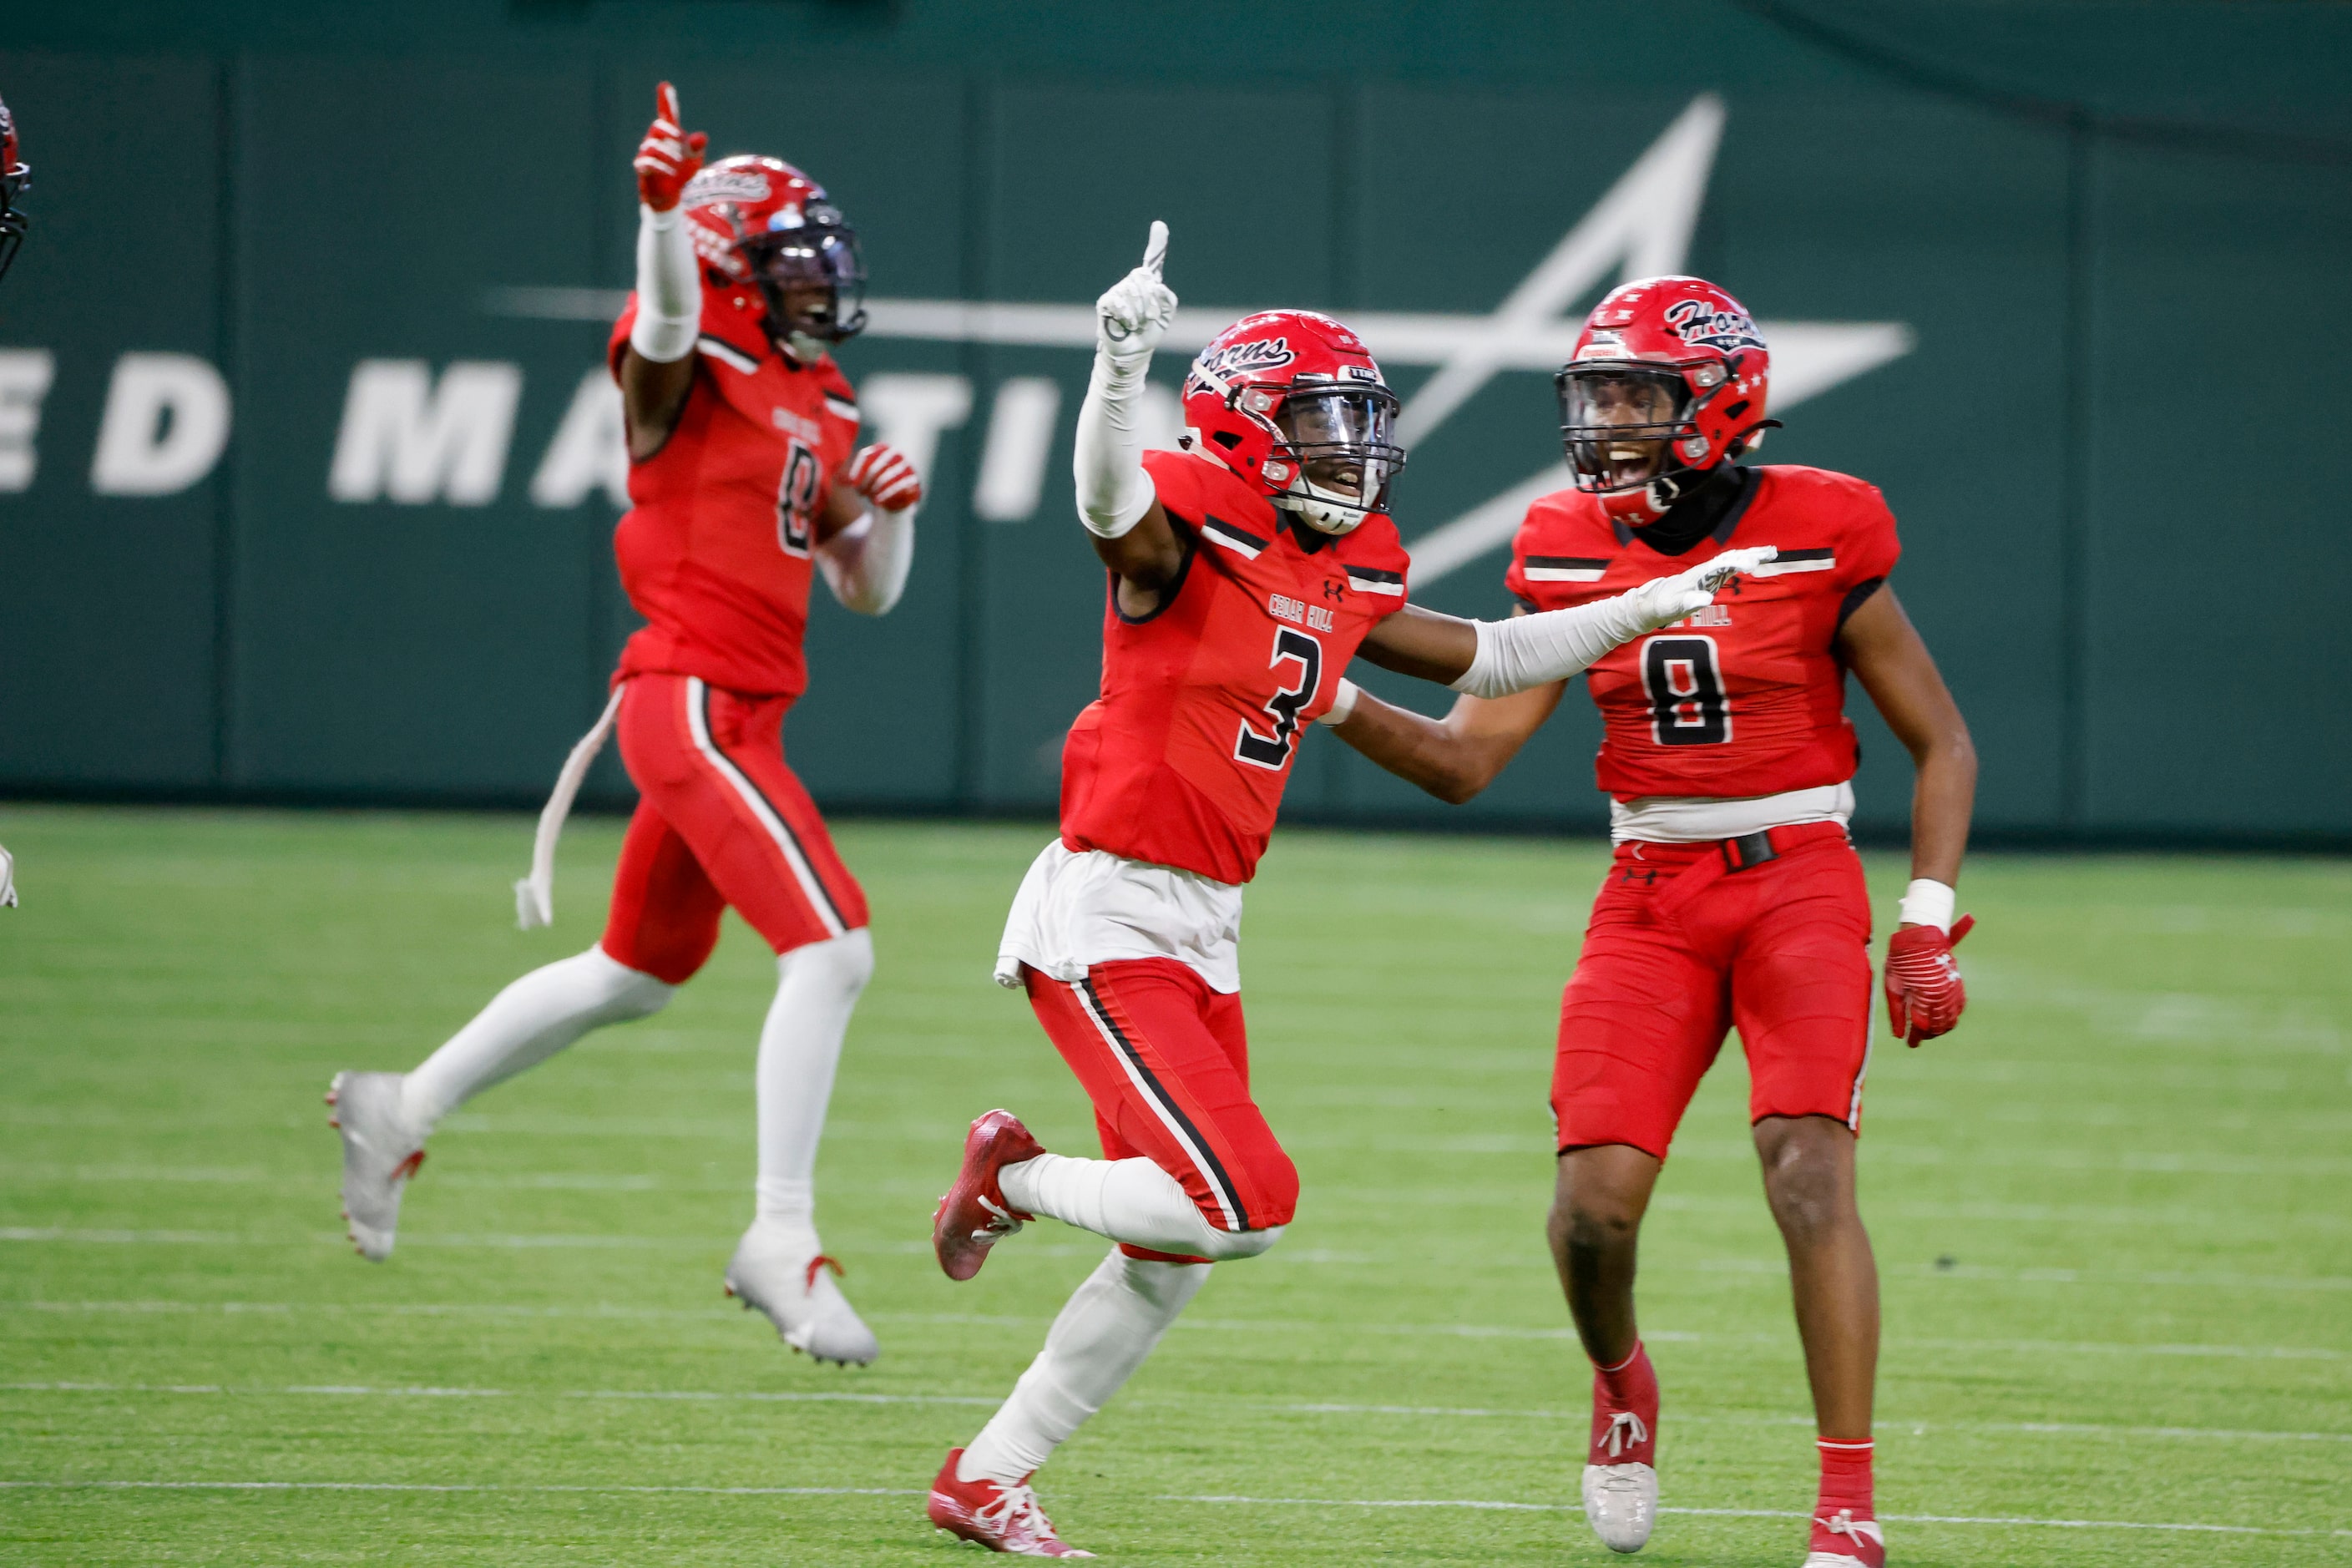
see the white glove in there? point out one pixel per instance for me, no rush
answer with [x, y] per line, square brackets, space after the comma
[1114, 493]
[1534, 650]
[1134, 312]
[1663, 601]
[7, 881]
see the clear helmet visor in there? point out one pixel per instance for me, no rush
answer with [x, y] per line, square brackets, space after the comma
[814, 280]
[1618, 421]
[1343, 439]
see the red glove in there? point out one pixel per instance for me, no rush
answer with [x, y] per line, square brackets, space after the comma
[666, 160]
[883, 476]
[1924, 994]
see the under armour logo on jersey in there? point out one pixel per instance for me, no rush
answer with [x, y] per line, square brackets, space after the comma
[1646, 878]
[1334, 590]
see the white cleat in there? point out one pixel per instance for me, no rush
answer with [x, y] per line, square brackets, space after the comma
[1621, 1503]
[779, 1270]
[381, 1151]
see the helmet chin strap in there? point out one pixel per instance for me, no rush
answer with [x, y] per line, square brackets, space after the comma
[1640, 508]
[1322, 509]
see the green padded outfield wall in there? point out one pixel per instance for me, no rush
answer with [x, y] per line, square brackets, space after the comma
[304, 464]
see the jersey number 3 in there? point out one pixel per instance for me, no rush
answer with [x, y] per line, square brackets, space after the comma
[1273, 751]
[796, 502]
[1687, 705]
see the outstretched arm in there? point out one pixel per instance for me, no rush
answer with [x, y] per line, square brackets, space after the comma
[657, 367]
[1116, 499]
[1494, 658]
[1454, 757]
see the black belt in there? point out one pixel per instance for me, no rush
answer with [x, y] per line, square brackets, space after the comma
[1748, 849]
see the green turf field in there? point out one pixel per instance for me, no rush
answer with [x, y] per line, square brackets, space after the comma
[2114, 1215]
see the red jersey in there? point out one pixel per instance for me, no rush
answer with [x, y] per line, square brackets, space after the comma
[715, 551]
[1748, 696]
[1182, 760]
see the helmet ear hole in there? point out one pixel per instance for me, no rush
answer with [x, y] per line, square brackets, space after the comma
[1227, 439]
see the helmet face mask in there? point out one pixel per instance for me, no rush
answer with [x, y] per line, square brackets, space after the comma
[1619, 421]
[1340, 438]
[808, 265]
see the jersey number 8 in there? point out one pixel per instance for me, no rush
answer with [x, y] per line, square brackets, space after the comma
[1688, 704]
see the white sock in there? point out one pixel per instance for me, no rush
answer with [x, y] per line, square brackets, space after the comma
[1133, 1201]
[524, 1025]
[1095, 1345]
[799, 1047]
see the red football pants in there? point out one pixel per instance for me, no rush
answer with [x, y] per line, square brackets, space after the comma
[1166, 1061]
[722, 821]
[1780, 949]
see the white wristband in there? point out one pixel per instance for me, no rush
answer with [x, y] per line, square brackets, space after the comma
[1927, 903]
[1343, 702]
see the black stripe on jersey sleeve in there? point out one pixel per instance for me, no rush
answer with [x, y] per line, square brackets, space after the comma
[1571, 563]
[1786, 555]
[1857, 596]
[1374, 574]
[1219, 525]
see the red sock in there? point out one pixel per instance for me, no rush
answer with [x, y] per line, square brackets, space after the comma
[1629, 1387]
[1845, 1478]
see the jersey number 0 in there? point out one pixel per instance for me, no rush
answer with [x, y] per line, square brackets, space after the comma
[1273, 751]
[796, 502]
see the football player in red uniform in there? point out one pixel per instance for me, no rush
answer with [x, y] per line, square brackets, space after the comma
[1245, 572]
[14, 179]
[1734, 896]
[747, 480]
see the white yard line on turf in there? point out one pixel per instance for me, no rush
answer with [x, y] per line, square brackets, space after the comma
[1265, 1406]
[1991, 1521]
[1222, 1325]
[1770, 1268]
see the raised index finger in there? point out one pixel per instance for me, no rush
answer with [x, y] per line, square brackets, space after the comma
[1155, 250]
[665, 103]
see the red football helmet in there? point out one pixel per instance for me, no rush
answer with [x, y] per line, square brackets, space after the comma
[14, 179]
[1293, 399]
[1668, 380]
[763, 227]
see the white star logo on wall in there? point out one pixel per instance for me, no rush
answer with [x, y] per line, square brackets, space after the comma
[1640, 228]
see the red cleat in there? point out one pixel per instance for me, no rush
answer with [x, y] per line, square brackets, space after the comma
[1842, 1540]
[973, 1216]
[1001, 1518]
